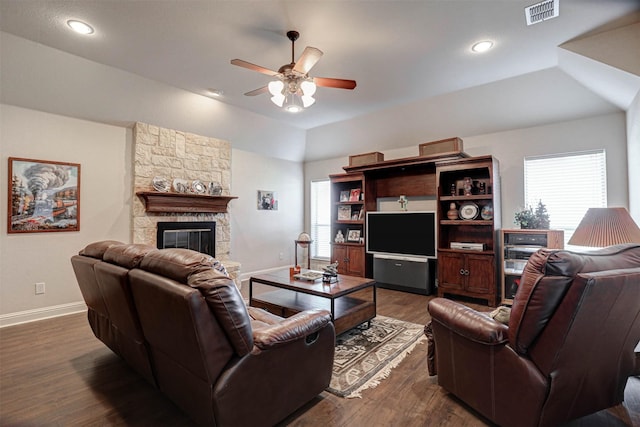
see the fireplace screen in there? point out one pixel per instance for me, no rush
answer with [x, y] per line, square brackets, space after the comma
[198, 236]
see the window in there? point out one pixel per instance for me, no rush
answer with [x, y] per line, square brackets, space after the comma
[568, 184]
[320, 219]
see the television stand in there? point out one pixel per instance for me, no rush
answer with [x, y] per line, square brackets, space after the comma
[404, 273]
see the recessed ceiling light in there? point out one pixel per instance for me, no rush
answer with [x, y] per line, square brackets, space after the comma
[80, 27]
[482, 46]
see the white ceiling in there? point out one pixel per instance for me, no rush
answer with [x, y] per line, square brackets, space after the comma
[401, 53]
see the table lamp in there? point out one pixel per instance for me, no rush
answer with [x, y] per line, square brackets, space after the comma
[603, 227]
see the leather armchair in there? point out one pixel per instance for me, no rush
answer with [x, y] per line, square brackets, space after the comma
[567, 350]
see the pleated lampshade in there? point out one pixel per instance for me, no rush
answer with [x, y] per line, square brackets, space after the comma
[603, 227]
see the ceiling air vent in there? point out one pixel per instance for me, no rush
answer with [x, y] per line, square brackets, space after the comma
[542, 11]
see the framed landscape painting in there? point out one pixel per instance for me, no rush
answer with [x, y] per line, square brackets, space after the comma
[43, 196]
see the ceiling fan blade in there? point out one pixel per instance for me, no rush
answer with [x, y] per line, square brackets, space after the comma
[254, 67]
[308, 59]
[337, 83]
[263, 89]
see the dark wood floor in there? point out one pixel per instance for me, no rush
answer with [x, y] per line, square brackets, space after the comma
[55, 373]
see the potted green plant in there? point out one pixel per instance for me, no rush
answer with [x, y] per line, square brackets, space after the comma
[529, 218]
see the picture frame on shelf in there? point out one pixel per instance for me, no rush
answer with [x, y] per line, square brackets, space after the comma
[355, 195]
[44, 196]
[344, 213]
[353, 235]
[344, 196]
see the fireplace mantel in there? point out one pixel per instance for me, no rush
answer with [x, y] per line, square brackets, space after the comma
[158, 202]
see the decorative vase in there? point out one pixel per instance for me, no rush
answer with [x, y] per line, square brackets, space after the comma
[452, 213]
[467, 186]
[215, 189]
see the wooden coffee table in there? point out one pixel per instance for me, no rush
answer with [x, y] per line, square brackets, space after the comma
[351, 300]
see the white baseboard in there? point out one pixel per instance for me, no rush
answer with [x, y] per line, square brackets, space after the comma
[244, 277]
[41, 313]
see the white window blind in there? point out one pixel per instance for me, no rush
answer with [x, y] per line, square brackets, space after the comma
[320, 219]
[568, 184]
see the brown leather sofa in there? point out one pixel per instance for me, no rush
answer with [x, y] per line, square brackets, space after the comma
[567, 350]
[184, 326]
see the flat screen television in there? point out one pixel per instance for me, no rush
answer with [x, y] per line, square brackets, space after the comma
[401, 233]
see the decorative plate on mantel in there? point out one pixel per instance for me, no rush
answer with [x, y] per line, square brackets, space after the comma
[161, 184]
[181, 185]
[197, 187]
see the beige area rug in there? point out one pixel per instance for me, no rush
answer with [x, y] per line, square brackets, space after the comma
[365, 356]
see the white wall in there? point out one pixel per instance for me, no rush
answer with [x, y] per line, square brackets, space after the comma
[511, 147]
[103, 152]
[633, 157]
[263, 239]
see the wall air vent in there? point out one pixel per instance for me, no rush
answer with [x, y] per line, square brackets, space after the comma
[542, 11]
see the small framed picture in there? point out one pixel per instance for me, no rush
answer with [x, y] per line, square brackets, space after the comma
[267, 200]
[353, 236]
[355, 195]
[344, 213]
[344, 196]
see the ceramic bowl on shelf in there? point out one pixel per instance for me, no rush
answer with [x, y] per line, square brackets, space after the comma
[468, 211]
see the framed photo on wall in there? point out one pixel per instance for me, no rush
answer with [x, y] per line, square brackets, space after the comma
[267, 200]
[44, 196]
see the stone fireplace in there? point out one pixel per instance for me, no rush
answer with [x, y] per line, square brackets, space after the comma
[180, 155]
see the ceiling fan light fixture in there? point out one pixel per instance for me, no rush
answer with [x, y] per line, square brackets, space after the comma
[291, 88]
[308, 88]
[307, 101]
[293, 103]
[278, 99]
[276, 87]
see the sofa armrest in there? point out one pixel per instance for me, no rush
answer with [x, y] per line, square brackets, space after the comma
[291, 329]
[469, 323]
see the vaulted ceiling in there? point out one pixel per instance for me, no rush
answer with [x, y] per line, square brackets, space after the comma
[405, 55]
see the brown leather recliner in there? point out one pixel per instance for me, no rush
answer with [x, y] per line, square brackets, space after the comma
[567, 351]
[222, 363]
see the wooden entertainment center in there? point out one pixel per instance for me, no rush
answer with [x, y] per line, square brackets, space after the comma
[467, 271]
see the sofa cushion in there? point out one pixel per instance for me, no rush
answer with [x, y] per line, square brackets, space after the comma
[223, 298]
[97, 249]
[545, 280]
[127, 256]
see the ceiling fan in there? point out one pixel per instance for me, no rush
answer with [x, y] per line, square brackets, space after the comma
[293, 89]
